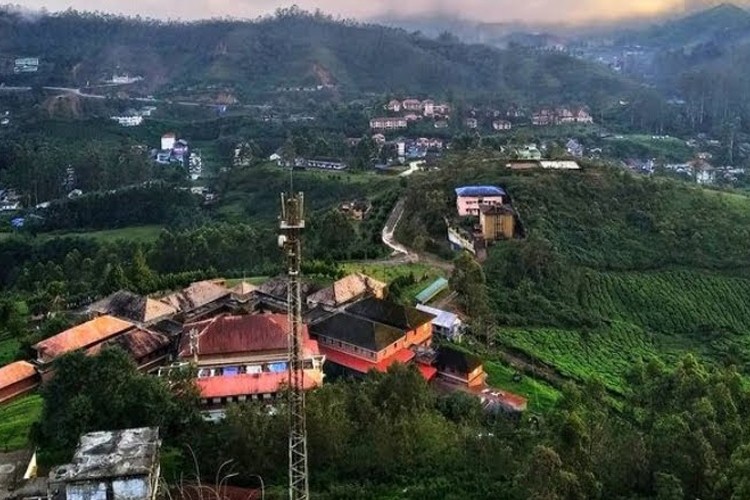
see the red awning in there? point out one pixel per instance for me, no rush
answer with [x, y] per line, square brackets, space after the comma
[247, 384]
[360, 365]
[427, 371]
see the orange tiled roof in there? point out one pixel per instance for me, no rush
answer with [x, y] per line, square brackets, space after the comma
[250, 384]
[362, 365]
[81, 336]
[16, 372]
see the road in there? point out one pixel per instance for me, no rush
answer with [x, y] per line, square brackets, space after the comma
[413, 167]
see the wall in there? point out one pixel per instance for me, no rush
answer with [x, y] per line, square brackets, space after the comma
[495, 227]
[18, 389]
[469, 205]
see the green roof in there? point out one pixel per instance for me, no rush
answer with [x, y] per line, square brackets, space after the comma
[431, 291]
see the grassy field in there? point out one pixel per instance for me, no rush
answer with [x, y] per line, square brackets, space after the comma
[541, 396]
[136, 233]
[8, 349]
[16, 419]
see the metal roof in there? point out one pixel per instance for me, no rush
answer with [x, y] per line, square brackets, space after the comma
[431, 291]
[443, 319]
[475, 191]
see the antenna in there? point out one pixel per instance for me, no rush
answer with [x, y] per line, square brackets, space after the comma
[292, 224]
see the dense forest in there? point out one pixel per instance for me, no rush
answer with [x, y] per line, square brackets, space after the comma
[293, 48]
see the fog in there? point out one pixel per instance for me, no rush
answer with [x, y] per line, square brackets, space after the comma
[528, 11]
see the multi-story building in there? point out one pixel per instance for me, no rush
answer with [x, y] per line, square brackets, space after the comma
[388, 123]
[497, 221]
[469, 199]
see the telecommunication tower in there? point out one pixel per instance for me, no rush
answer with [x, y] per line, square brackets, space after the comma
[292, 224]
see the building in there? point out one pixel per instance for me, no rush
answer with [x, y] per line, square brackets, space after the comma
[502, 125]
[356, 210]
[128, 121]
[433, 290]
[84, 336]
[394, 106]
[132, 307]
[241, 358]
[445, 324]
[459, 368]
[471, 123]
[460, 239]
[346, 290]
[121, 464]
[243, 291]
[581, 115]
[325, 164]
[26, 65]
[428, 107]
[544, 117]
[528, 152]
[574, 148]
[198, 295]
[149, 349]
[168, 141]
[412, 117]
[379, 139]
[497, 222]
[372, 335]
[559, 165]
[469, 199]
[412, 105]
[17, 379]
[565, 115]
[388, 123]
[440, 124]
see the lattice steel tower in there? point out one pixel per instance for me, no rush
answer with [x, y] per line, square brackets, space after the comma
[292, 224]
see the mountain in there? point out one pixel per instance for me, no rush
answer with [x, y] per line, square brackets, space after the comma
[248, 59]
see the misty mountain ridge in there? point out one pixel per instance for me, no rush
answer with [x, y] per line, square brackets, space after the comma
[295, 48]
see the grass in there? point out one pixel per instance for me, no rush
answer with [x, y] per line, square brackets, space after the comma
[255, 280]
[135, 233]
[8, 349]
[542, 397]
[16, 419]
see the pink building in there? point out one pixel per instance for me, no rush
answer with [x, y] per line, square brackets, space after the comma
[470, 199]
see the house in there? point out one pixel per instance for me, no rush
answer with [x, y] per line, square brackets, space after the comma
[441, 124]
[128, 121]
[274, 293]
[394, 106]
[84, 336]
[470, 198]
[121, 464]
[559, 165]
[497, 221]
[372, 334]
[544, 117]
[501, 125]
[442, 110]
[581, 115]
[198, 295]
[428, 106]
[412, 117]
[574, 148]
[528, 152]
[471, 123]
[459, 368]
[17, 379]
[325, 164]
[356, 210]
[445, 324]
[388, 123]
[26, 65]
[131, 307]
[149, 349]
[565, 115]
[412, 105]
[242, 358]
[347, 290]
[168, 141]
[243, 291]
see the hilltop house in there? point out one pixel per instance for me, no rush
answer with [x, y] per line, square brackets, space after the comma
[469, 199]
[131, 307]
[459, 368]
[346, 290]
[497, 221]
[412, 105]
[372, 335]
[428, 107]
[388, 123]
[394, 106]
[501, 125]
[168, 141]
[241, 358]
[445, 324]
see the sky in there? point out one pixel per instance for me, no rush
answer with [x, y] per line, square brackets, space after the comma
[529, 11]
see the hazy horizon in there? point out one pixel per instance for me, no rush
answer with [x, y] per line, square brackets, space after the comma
[531, 11]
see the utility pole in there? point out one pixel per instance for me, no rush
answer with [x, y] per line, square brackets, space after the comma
[292, 224]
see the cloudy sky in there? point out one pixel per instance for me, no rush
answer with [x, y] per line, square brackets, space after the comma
[487, 10]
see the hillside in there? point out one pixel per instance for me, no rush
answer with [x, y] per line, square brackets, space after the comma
[616, 269]
[294, 48]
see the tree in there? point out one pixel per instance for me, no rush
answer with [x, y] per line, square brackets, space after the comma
[469, 282]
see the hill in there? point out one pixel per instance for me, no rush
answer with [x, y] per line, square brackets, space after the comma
[616, 269]
[294, 48]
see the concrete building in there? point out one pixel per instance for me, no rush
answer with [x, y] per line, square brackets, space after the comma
[497, 221]
[459, 368]
[128, 121]
[445, 324]
[168, 141]
[388, 123]
[117, 465]
[502, 125]
[469, 199]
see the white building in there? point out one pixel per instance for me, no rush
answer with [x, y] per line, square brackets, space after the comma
[168, 141]
[446, 324]
[128, 121]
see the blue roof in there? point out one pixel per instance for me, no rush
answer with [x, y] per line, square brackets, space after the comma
[480, 191]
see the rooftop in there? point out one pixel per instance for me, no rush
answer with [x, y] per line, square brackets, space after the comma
[476, 191]
[496, 210]
[251, 383]
[16, 372]
[196, 295]
[277, 288]
[112, 454]
[360, 365]
[347, 289]
[82, 336]
[442, 319]
[242, 334]
[390, 313]
[243, 288]
[128, 305]
[138, 343]
[356, 331]
[459, 361]
[431, 291]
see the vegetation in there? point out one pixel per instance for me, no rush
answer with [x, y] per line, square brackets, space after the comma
[16, 421]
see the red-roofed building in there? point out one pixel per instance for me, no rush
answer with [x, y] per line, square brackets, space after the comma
[17, 379]
[245, 357]
[84, 336]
